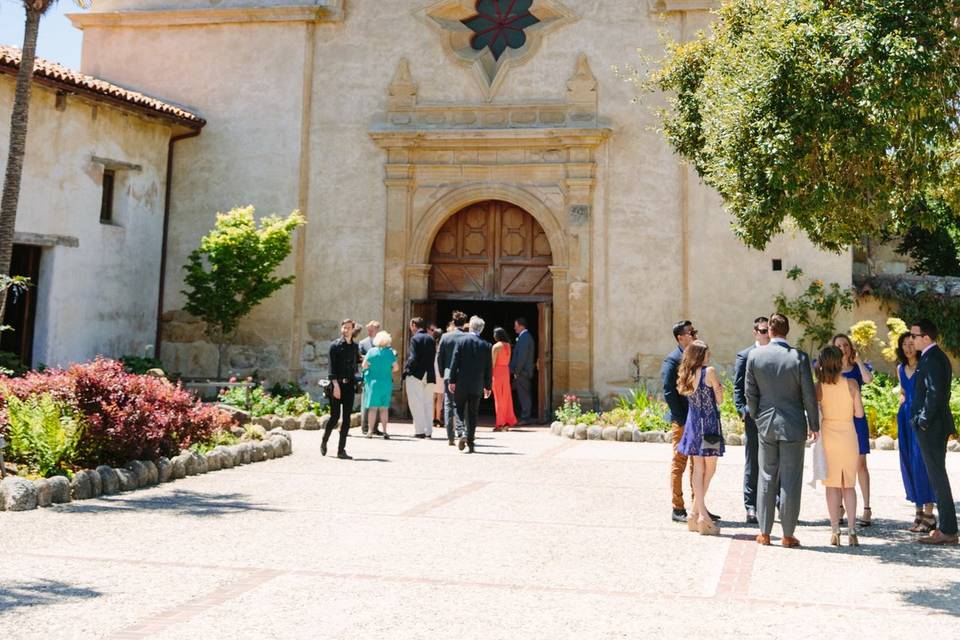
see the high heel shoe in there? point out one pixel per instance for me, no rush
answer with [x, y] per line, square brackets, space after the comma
[835, 539]
[867, 518]
[854, 539]
[692, 525]
[707, 528]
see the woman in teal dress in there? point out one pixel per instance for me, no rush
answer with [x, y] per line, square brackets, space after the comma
[379, 365]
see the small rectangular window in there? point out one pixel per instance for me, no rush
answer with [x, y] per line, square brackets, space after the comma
[777, 264]
[106, 203]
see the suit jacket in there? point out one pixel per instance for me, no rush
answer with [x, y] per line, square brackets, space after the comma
[780, 394]
[931, 395]
[522, 357]
[678, 404]
[421, 356]
[365, 345]
[448, 343]
[739, 381]
[472, 366]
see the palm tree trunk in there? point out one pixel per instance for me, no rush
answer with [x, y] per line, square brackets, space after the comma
[18, 141]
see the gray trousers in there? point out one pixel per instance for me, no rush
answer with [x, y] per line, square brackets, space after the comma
[780, 462]
[452, 419]
[521, 386]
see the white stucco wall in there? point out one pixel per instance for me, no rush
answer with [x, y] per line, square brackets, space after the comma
[101, 296]
[247, 80]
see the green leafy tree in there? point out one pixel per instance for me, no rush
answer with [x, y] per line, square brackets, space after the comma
[232, 270]
[815, 309]
[835, 114]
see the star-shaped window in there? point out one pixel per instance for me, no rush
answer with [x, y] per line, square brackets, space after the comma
[500, 24]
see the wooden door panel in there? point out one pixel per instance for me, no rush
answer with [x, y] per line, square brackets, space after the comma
[545, 361]
[491, 250]
[525, 281]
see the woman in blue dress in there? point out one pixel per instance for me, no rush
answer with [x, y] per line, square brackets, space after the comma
[912, 467]
[855, 369]
[379, 365]
[702, 438]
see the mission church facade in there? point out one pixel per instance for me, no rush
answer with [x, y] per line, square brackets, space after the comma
[475, 154]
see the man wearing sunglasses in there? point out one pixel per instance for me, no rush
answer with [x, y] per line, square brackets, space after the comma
[761, 338]
[684, 334]
[933, 423]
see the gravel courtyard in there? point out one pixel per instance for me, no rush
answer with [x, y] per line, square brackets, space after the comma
[533, 537]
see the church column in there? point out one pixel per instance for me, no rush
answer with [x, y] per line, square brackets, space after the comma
[399, 183]
[561, 332]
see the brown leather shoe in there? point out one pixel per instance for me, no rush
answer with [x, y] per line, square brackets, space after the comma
[789, 542]
[763, 539]
[937, 537]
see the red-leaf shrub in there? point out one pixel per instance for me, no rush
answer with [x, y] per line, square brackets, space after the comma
[129, 417]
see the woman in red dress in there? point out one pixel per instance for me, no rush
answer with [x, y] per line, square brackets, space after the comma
[502, 396]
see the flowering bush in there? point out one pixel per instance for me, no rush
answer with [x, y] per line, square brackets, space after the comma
[127, 416]
[881, 403]
[259, 402]
[895, 328]
[570, 411]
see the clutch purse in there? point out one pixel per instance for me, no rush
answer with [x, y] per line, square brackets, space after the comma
[711, 442]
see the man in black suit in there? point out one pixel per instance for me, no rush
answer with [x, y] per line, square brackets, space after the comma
[933, 422]
[452, 419]
[522, 362]
[761, 337]
[471, 376]
[683, 334]
[419, 376]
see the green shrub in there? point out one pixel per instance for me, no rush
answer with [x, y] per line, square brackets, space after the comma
[220, 438]
[43, 433]
[881, 402]
[257, 401]
[138, 365]
[570, 411]
[588, 418]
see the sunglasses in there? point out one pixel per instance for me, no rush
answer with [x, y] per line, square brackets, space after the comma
[917, 335]
[691, 332]
[762, 331]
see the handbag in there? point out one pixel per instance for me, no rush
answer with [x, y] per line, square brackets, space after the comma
[819, 467]
[711, 442]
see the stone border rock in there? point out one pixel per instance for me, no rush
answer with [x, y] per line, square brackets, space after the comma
[306, 422]
[634, 434]
[21, 494]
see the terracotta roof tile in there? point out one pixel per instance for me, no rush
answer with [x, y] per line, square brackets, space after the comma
[68, 78]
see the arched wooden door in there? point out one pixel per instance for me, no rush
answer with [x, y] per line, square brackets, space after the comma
[491, 250]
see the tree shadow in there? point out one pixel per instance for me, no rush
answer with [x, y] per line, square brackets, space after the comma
[945, 599]
[178, 502]
[899, 546]
[41, 592]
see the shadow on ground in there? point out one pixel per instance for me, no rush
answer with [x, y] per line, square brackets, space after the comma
[177, 502]
[944, 599]
[41, 592]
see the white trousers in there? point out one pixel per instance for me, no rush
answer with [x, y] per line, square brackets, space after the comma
[420, 398]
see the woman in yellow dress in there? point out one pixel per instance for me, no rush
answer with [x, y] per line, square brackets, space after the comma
[840, 403]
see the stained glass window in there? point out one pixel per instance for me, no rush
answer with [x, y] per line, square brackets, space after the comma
[499, 24]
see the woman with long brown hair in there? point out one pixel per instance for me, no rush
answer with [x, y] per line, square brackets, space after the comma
[702, 437]
[855, 369]
[840, 405]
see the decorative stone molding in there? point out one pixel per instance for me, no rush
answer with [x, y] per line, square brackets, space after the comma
[448, 16]
[669, 6]
[323, 11]
[45, 239]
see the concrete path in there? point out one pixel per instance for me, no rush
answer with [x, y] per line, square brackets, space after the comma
[533, 537]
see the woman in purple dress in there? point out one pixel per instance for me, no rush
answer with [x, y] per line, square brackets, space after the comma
[702, 438]
[914, 471]
[855, 369]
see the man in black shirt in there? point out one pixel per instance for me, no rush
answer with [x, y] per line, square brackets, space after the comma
[344, 357]
[419, 377]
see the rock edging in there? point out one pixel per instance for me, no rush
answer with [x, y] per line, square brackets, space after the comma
[21, 494]
[305, 421]
[631, 433]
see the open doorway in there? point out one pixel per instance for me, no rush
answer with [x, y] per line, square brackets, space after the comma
[495, 314]
[16, 344]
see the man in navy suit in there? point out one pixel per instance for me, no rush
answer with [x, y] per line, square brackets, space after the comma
[933, 423]
[471, 377]
[522, 369]
[761, 337]
[448, 344]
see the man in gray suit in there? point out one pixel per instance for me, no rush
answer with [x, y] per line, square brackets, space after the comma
[783, 401]
[521, 368]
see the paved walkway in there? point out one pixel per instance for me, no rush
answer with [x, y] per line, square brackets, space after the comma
[534, 537]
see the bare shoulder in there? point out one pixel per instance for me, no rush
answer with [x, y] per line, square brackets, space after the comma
[853, 386]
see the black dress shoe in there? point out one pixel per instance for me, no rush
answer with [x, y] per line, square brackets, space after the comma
[343, 456]
[752, 516]
[323, 448]
[420, 435]
[469, 447]
[713, 516]
[679, 515]
[450, 441]
[376, 432]
[462, 444]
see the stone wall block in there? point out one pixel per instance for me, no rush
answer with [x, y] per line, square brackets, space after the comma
[569, 431]
[179, 468]
[138, 469]
[153, 473]
[59, 489]
[580, 432]
[213, 461]
[624, 435]
[80, 488]
[309, 422]
[44, 493]
[18, 494]
[109, 483]
[594, 432]
[127, 479]
[610, 433]
[638, 436]
[324, 420]
[885, 443]
[164, 470]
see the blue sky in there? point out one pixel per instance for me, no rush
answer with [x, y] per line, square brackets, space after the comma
[58, 41]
